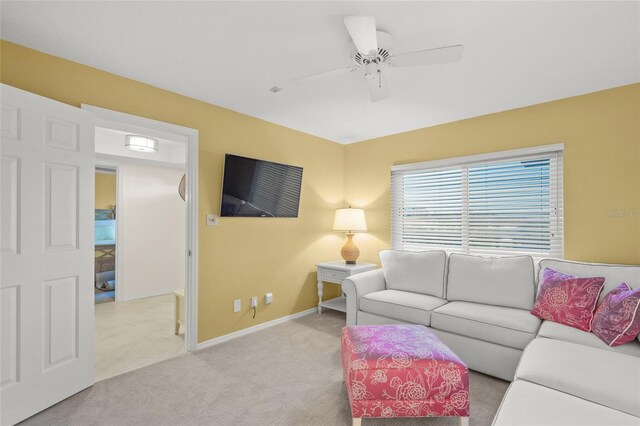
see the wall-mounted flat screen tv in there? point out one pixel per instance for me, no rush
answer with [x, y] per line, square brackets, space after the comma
[257, 188]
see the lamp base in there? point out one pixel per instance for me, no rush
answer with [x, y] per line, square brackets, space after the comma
[350, 252]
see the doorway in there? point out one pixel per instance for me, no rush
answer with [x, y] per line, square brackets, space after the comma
[105, 235]
[152, 314]
[48, 241]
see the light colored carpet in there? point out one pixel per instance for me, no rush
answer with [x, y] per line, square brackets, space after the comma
[289, 374]
[134, 334]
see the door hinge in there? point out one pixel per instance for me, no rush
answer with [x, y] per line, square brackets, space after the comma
[189, 253]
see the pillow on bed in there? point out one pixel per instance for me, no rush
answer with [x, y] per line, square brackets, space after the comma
[617, 319]
[567, 299]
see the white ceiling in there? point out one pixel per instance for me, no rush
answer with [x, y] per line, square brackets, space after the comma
[231, 53]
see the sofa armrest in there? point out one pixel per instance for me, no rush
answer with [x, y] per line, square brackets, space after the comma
[357, 286]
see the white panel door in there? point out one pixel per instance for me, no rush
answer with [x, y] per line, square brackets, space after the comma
[46, 288]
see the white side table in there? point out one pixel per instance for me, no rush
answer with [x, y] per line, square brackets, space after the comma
[336, 272]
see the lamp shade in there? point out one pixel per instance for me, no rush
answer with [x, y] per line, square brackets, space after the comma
[350, 220]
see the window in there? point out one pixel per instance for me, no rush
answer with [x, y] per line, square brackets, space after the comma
[505, 203]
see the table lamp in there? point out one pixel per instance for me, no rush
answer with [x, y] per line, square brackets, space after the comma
[350, 221]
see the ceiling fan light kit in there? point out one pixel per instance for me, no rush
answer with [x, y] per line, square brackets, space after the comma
[374, 56]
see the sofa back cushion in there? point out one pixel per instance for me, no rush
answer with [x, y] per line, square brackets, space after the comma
[417, 272]
[500, 281]
[614, 275]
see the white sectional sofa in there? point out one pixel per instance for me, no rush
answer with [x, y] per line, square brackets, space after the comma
[480, 308]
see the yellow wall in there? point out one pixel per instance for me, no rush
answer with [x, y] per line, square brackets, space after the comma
[241, 257]
[601, 133]
[244, 257]
[105, 190]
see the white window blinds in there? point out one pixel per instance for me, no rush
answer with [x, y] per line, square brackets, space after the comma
[504, 203]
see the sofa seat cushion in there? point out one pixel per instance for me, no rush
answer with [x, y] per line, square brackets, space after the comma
[553, 330]
[403, 305]
[510, 327]
[604, 377]
[527, 403]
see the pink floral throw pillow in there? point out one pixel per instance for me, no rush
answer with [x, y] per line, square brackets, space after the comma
[567, 299]
[617, 319]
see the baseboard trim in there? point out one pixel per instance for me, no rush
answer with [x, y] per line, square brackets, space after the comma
[149, 294]
[253, 329]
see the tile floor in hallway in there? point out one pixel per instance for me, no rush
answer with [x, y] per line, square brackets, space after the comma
[133, 334]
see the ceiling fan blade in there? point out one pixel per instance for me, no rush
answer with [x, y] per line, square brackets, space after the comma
[438, 55]
[362, 30]
[378, 88]
[325, 74]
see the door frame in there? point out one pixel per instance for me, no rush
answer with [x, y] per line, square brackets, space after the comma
[135, 124]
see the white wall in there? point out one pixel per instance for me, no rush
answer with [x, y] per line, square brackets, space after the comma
[152, 231]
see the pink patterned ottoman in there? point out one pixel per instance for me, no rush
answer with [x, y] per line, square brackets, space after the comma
[402, 371]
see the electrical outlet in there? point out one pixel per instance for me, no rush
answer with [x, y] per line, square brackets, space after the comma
[237, 305]
[268, 298]
[254, 301]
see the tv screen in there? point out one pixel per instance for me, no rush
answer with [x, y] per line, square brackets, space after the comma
[257, 188]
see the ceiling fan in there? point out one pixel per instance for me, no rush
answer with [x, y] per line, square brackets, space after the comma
[374, 56]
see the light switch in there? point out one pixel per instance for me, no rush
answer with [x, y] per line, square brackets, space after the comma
[212, 219]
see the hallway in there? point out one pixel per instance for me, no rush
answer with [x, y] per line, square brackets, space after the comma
[134, 334]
